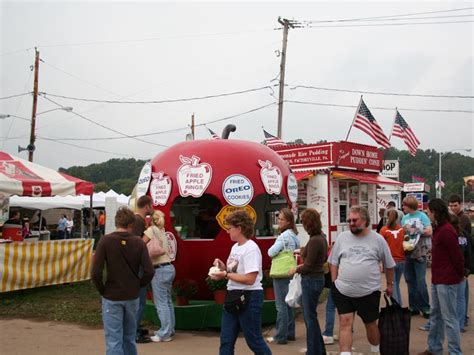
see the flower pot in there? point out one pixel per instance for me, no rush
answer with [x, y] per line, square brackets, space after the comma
[219, 296]
[181, 301]
[269, 293]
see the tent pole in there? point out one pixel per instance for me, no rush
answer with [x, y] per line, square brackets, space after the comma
[91, 220]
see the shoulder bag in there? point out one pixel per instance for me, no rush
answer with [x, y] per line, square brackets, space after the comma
[153, 245]
[282, 263]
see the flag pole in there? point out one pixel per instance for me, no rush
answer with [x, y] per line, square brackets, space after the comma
[357, 110]
[393, 124]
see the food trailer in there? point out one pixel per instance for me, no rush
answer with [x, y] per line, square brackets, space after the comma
[334, 176]
[198, 183]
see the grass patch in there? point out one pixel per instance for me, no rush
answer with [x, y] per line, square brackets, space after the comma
[75, 303]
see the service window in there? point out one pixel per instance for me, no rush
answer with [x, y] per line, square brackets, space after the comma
[195, 218]
[343, 201]
[351, 194]
[267, 208]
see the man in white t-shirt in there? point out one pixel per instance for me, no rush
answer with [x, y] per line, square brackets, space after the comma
[355, 270]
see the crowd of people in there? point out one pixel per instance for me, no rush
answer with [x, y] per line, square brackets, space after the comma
[355, 264]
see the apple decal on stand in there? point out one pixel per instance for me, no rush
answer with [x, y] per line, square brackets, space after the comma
[193, 177]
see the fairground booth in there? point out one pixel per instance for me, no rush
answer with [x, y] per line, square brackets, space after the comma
[34, 262]
[333, 177]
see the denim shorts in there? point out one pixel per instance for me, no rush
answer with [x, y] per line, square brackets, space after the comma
[367, 307]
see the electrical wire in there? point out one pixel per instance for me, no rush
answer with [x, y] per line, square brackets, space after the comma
[381, 93]
[170, 130]
[390, 16]
[159, 101]
[13, 96]
[378, 108]
[87, 148]
[105, 127]
[391, 24]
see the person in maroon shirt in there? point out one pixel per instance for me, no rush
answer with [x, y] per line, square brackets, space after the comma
[447, 272]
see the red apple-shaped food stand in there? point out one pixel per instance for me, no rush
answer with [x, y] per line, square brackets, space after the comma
[195, 183]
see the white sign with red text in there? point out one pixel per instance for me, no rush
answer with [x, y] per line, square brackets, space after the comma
[193, 177]
[172, 245]
[160, 188]
[271, 176]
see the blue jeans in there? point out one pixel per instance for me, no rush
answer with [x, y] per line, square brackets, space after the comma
[312, 287]
[415, 277]
[330, 315]
[461, 304]
[443, 316]
[141, 307]
[399, 267]
[119, 326]
[162, 298]
[250, 321]
[285, 322]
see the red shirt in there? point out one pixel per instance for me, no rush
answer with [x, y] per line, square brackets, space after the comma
[394, 238]
[447, 266]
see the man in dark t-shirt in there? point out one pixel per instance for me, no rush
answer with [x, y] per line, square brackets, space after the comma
[128, 268]
[144, 208]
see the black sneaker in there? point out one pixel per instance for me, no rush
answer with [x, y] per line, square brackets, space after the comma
[142, 339]
[414, 313]
[426, 315]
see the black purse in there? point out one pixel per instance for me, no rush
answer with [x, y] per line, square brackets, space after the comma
[236, 301]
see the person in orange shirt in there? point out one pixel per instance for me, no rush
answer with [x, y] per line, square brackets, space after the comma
[394, 234]
[102, 222]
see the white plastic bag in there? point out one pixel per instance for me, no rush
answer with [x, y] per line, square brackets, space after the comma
[293, 298]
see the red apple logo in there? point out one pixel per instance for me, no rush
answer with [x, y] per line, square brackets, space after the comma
[160, 188]
[193, 177]
[172, 245]
[271, 176]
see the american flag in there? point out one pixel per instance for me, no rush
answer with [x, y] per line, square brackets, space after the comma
[213, 134]
[402, 130]
[272, 141]
[367, 123]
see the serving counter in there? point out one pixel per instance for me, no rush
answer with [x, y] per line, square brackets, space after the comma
[41, 263]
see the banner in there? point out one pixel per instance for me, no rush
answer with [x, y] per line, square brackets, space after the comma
[34, 264]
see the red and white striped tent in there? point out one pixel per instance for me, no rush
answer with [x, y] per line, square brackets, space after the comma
[23, 178]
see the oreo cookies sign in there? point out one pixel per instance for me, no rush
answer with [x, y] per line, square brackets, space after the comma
[237, 190]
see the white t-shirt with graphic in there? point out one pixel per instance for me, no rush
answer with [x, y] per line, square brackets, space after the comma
[244, 259]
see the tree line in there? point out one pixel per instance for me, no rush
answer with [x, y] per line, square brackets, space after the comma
[121, 175]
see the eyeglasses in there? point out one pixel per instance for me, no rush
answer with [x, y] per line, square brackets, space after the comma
[352, 220]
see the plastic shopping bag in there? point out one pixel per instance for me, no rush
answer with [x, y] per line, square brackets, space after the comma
[293, 298]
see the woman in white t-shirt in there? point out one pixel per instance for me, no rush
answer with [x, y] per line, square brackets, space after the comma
[243, 271]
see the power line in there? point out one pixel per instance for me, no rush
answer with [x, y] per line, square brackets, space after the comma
[391, 24]
[378, 108]
[389, 16]
[13, 96]
[86, 148]
[381, 93]
[154, 38]
[170, 130]
[159, 101]
[105, 127]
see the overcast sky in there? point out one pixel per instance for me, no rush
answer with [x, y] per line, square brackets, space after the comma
[152, 51]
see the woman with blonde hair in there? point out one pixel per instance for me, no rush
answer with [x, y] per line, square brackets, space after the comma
[163, 280]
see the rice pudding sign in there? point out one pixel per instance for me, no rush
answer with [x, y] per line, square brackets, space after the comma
[271, 176]
[237, 190]
[193, 177]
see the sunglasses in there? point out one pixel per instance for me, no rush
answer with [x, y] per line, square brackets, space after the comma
[352, 220]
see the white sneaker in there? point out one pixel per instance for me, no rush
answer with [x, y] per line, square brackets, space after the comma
[375, 349]
[335, 336]
[157, 339]
[328, 340]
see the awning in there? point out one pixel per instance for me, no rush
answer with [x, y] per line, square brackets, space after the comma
[368, 178]
[303, 175]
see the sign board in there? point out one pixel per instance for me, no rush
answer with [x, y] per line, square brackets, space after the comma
[292, 188]
[337, 154]
[193, 176]
[160, 188]
[227, 210]
[391, 169]
[144, 180]
[414, 187]
[237, 190]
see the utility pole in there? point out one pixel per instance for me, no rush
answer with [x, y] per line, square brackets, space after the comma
[286, 25]
[31, 146]
[192, 125]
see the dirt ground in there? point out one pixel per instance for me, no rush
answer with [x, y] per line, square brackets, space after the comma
[19, 336]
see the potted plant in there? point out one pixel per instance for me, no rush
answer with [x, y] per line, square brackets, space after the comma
[267, 284]
[218, 288]
[184, 289]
